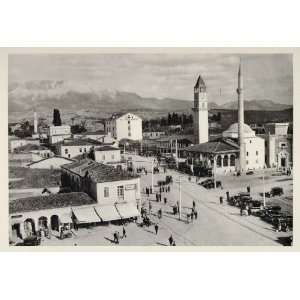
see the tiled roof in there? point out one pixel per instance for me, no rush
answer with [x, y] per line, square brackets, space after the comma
[216, 146]
[53, 157]
[189, 138]
[200, 82]
[79, 142]
[98, 172]
[50, 201]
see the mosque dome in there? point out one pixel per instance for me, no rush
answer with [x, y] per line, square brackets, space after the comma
[233, 130]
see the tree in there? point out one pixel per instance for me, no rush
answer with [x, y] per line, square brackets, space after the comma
[56, 117]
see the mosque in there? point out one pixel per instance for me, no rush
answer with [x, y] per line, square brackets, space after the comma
[237, 150]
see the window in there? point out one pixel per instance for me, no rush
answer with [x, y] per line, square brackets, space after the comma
[225, 161]
[66, 151]
[247, 162]
[121, 191]
[247, 153]
[129, 133]
[106, 192]
[69, 155]
[256, 153]
[128, 122]
[250, 141]
[232, 160]
[84, 149]
[219, 161]
[80, 149]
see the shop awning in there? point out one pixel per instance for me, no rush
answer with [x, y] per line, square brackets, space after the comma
[86, 215]
[127, 210]
[107, 213]
[65, 218]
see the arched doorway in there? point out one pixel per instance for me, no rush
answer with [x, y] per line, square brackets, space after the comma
[29, 227]
[232, 160]
[219, 161]
[225, 161]
[54, 222]
[16, 230]
[43, 222]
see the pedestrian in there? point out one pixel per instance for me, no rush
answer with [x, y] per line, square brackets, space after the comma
[159, 197]
[147, 192]
[150, 190]
[196, 215]
[146, 172]
[124, 233]
[160, 189]
[165, 200]
[159, 213]
[192, 217]
[249, 211]
[171, 240]
[221, 200]
[194, 204]
[156, 228]
[188, 218]
[116, 241]
[150, 207]
[241, 210]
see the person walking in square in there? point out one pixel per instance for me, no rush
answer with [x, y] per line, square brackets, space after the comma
[156, 228]
[196, 215]
[124, 233]
[171, 240]
[165, 200]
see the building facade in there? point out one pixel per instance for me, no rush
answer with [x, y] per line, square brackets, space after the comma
[107, 155]
[57, 134]
[124, 126]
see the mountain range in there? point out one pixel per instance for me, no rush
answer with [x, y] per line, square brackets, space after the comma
[44, 95]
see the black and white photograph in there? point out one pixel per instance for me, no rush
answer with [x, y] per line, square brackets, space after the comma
[150, 149]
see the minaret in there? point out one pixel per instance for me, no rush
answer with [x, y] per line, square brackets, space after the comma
[200, 112]
[240, 92]
[35, 123]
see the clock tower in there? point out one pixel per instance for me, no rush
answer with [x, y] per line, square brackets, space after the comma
[200, 112]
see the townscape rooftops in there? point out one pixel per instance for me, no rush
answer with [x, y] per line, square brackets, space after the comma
[215, 146]
[50, 201]
[31, 147]
[79, 142]
[98, 132]
[107, 148]
[189, 138]
[120, 114]
[97, 171]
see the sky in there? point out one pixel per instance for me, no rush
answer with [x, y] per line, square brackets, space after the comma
[266, 76]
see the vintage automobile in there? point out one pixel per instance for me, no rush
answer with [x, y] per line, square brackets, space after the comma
[250, 172]
[209, 183]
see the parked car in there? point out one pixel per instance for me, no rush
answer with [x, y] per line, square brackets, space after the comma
[209, 183]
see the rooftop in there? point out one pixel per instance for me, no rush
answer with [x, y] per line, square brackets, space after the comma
[216, 146]
[79, 142]
[30, 147]
[106, 148]
[48, 202]
[98, 132]
[98, 172]
[200, 82]
[53, 157]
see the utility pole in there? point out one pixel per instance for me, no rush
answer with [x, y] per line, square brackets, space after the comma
[176, 150]
[215, 185]
[179, 197]
[152, 177]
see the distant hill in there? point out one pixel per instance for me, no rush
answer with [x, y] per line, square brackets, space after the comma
[44, 95]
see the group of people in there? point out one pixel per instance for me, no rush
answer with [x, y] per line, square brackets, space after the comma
[148, 191]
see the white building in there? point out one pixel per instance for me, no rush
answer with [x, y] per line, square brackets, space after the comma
[124, 126]
[57, 134]
[107, 155]
[70, 148]
[153, 134]
[254, 146]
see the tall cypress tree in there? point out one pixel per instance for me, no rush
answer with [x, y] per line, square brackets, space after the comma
[56, 117]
